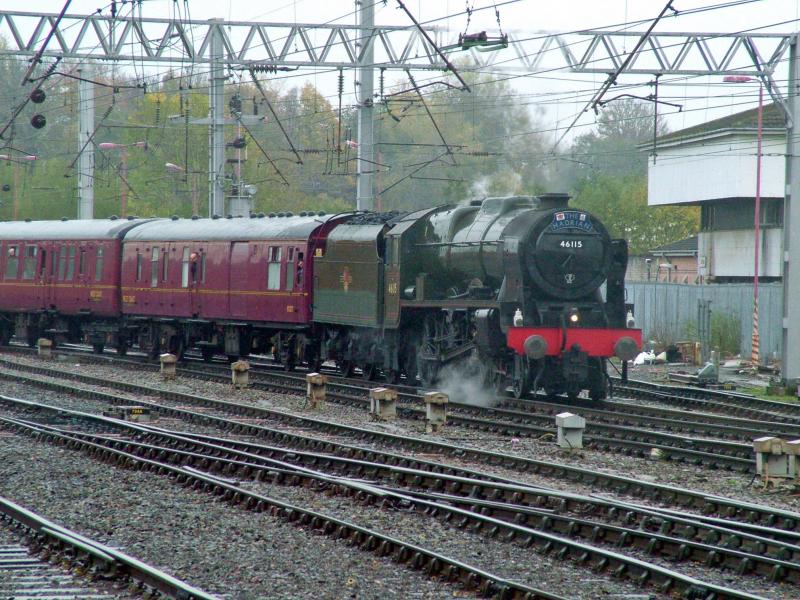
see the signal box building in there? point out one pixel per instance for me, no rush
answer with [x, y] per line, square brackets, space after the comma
[713, 165]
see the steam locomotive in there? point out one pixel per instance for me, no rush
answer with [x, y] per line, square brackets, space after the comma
[526, 288]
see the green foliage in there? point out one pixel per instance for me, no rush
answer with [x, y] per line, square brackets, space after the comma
[726, 333]
[416, 168]
[621, 204]
[612, 150]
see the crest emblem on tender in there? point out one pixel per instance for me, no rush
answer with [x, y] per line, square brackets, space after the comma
[346, 278]
[569, 278]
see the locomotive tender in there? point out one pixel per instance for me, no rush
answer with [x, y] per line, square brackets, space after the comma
[515, 282]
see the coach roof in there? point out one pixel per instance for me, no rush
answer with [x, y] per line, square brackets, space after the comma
[94, 229]
[240, 228]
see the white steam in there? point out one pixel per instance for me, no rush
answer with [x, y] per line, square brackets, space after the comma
[464, 382]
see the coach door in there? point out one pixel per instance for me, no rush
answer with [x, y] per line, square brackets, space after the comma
[238, 277]
[46, 276]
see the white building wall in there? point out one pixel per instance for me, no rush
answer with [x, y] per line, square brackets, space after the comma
[732, 253]
[718, 168]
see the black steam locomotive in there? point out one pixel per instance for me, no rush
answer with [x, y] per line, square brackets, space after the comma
[515, 282]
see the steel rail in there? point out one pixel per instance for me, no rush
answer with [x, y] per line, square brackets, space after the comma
[113, 562]
[432, 563]
[510, 492]
[693, 450]
[669, 419]
[620, 565]
[660, 492]
[689, 537]
[732, 401]
[615, 412]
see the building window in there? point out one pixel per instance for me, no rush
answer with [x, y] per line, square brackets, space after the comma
[185, 268]
[12, 262]
[274, 268]
[29, 267]
[772, 213]
[98, 264]
[154, 268]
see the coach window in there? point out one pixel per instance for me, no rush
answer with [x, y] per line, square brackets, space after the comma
[71, 263]
[98, 264]
[274, 268]
[82, 263]
[185, 267]
[43, 265]
[165, 273]
[202, 267]
[154, 268]
[62, 263]
[290, 269]
[12, 262]
[138, 265]
[54, 264]
[29, 267]
[299, 269]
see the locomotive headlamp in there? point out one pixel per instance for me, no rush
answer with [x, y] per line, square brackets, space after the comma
[574, 317]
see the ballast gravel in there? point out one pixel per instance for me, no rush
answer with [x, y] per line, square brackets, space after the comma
[226, 551]
[716, 482]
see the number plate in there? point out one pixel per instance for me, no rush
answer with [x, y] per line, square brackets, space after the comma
[571, 243]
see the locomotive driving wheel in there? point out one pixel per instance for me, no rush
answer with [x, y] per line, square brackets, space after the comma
[345, 367]
[521, 379]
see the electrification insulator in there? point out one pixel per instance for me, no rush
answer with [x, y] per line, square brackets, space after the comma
[38, 96]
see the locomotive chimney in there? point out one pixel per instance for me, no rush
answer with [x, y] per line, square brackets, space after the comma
[553, 200]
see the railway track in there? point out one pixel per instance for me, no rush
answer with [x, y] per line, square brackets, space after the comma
[40, 559]
[255, 421]
[704, 421]
[630, 439]
[713, 401]
[513, 513]
[432, 563]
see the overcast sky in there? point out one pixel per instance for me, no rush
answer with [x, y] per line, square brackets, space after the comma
[703, 98]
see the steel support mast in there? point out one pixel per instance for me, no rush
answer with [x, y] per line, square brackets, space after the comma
[365, 51]
[85, 134]
[790, 361]
[216, 127]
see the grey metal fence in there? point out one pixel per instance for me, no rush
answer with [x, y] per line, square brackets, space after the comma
[669, 310]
